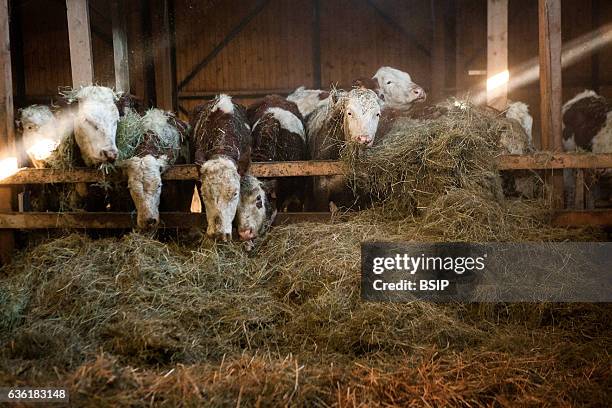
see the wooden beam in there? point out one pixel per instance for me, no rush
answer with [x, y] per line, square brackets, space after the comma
[120, 46]
[497, 54]
[109, 220]
[551, 88]
[550, 73]
[439, 9]
[261, 4]
[316, 44]
[594, 218]
[400, 28]
[79, 36]
[303, 168]
[7, 132]
[162, 55]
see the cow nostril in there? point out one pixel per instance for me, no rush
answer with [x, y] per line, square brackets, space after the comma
[110, 155]
[151, 222]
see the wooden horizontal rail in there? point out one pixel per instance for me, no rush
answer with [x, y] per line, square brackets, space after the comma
[122, 220]
[539, 161]
[107, 220]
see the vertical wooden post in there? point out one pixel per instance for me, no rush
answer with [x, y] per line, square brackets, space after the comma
[316, 44]
[497, 53]
[549, 12]
[162, 55]
[79, 36]
[120, 46]
[438, 55]
[7, 131]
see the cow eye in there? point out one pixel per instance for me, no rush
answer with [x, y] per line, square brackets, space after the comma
[388, 82]
[349, 113]
[378, 115]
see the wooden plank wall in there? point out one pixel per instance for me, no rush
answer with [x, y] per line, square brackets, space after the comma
[275, 50]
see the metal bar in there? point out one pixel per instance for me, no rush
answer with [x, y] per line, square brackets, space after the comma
[261, 4]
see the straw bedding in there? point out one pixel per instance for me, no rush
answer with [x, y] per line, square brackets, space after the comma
[134, 321]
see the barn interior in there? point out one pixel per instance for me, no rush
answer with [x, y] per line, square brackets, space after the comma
[101, 312]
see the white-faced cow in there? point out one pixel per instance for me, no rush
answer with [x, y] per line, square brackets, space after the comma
[394, 87]
[222, 143]
[347, 118]
[160, 147]
[587, 125]
[307, 100]
[42, 133]
[95, 124]
[278, 134]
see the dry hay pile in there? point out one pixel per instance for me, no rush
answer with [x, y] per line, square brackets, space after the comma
[133, 321]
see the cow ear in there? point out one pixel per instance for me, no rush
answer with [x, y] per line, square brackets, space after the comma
[269, 186]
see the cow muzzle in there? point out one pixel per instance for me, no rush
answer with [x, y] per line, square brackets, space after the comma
[364, 140]
[246, 234]
[110, 155]
[220, 236]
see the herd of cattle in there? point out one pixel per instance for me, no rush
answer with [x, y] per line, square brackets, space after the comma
[223, 137]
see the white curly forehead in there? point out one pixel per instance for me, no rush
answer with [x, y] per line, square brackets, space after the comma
[36, 114]
[221, 169]
[366, 99]
[387, 73]
[97, 93]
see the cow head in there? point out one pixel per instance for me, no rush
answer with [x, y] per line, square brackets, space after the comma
[396, 88]
[255, 210]
[361, 110]
[307, 100]
[95, 125]
[145, 184]
[40, 132]
[221, 194]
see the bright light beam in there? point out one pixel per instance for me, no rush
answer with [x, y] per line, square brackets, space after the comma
[8, 167]
[573, 51]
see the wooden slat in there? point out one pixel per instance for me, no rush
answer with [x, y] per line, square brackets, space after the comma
[80, 220]
[497, 50]
[551, 91]
[595, 218]
[79, 36]
[103, 220]
[120, 46]
[303, 168]
[164, 83]
[7, 136]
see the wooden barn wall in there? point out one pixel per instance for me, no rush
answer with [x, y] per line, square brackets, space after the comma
[46, 54]
[275, 51]
[579, 17]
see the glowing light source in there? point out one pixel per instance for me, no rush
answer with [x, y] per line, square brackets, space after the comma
[8, 167]
[498, 80]
[42, 149]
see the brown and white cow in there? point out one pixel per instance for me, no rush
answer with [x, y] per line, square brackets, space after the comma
[346, 118]
[95, 124]
[222, 144]
[278, 134]
[587, 125]
[161, 146]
